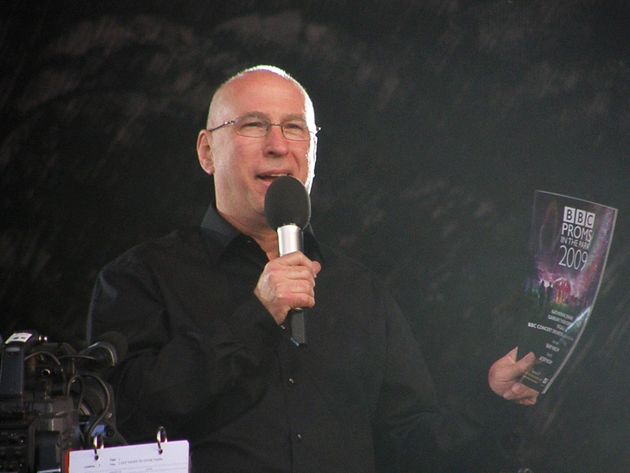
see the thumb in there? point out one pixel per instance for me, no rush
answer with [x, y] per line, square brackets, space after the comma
[526, 362]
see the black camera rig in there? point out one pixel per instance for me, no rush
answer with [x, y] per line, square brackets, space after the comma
[53, 399]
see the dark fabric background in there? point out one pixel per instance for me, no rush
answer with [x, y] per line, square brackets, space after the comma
[440, 119]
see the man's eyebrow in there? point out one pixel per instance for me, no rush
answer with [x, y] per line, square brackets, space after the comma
[295, 116]
[290, 116]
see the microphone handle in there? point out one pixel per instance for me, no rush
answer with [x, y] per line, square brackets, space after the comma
[290, 239]
[297, 325]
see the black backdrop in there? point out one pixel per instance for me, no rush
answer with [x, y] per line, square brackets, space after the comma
[440, 119]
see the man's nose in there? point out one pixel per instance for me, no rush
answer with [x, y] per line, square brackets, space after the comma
[275, 142]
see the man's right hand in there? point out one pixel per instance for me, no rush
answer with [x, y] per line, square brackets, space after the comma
[286, 283]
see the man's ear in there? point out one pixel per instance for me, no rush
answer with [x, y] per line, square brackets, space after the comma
[204, 151]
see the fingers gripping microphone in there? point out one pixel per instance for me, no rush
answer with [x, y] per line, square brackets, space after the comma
[288, 210]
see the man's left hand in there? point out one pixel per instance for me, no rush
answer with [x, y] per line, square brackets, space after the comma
[504, 376]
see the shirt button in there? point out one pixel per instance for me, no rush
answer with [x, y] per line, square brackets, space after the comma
[291, 381]
[298, 436]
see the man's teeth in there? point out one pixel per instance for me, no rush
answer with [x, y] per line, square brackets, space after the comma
[272, 176]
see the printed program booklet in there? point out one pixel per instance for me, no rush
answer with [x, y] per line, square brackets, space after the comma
[569, 242]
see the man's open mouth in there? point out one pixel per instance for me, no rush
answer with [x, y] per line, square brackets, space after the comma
[271, 176]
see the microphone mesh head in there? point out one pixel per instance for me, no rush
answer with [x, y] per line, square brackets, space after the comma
[287, 202]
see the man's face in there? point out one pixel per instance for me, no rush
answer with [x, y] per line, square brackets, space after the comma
[244, 167]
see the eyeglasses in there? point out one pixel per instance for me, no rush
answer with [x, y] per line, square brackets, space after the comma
[254, 126]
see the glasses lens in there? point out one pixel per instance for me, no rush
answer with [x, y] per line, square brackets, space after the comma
[296, 130]
[253, 127]
[258, 127]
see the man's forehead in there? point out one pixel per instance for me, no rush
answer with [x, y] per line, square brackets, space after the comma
[260, 91]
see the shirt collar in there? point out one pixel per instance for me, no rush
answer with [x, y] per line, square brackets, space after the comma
[223, 233]
[219, 228]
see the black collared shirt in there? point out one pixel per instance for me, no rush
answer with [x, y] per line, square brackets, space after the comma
[211, 365]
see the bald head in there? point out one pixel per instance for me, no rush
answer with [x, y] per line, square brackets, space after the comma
[224, 92]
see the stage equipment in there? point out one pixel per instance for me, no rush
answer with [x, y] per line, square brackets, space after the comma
[54, 399]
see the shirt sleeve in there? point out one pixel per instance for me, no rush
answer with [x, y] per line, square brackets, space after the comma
[408, 420]
[178, 372]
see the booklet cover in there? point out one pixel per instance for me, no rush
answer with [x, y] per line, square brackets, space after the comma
[569, 242]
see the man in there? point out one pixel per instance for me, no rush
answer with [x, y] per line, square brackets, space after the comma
[204, 312]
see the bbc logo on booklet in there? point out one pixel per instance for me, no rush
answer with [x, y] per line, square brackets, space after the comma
[579, 217]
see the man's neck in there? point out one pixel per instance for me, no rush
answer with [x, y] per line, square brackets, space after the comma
[260, 232]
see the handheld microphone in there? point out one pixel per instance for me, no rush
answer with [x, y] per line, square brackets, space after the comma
[288, 210]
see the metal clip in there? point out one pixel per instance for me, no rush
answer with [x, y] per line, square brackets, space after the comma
[98, 443]
[161, 438]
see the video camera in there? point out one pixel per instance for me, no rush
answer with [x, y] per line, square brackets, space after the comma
[53, 399]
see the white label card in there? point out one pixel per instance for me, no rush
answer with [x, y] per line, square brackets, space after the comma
[145, 458]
